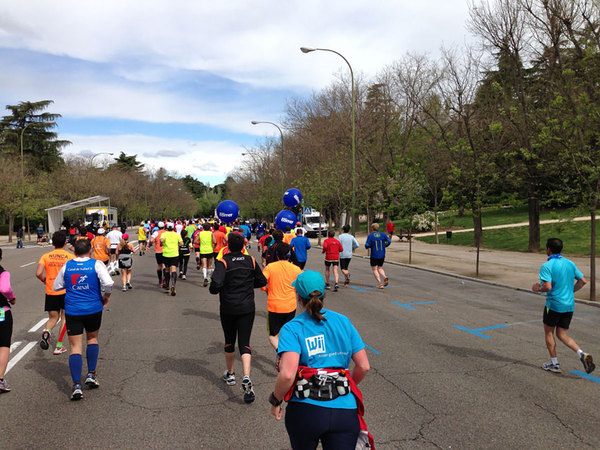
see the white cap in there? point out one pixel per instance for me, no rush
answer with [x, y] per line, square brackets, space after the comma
[170, 225]
[100, 230]
[161, 224]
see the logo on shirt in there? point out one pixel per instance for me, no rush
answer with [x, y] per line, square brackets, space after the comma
[77, 282]
[315, 345]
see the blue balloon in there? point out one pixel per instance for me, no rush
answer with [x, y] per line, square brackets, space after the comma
[227, 211]
[285, 218]
[292, 197]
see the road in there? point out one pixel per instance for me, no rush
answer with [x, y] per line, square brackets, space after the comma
[455, 364]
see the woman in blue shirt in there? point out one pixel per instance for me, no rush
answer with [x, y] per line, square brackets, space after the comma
[318, 339]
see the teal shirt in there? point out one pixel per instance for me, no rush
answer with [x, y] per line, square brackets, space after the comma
[561, 273]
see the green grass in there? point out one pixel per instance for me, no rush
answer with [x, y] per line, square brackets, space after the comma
[575, 236]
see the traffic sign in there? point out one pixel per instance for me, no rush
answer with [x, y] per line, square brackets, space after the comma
[307, 210]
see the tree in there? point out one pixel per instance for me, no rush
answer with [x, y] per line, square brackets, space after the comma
[128, 163]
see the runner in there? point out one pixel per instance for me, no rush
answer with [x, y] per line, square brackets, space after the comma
[115, 237]
[125, 251]
[281, 297]
[20, 236]
[390, 228]
[556, 280]
[289, 235]
[300, 245]
[7, 299]
[235, 278]
[158, 253]
[263, 245]
[207, 243]
[377, 242]
[101, 247]
[196, 242]
[142, 238]
[40, 234]
[332, 248]
[171, 241]
[349, 243]
[184, 254]
[47, 269]
[277, 239]
[220, 241]
[84, 279]
[320, 340]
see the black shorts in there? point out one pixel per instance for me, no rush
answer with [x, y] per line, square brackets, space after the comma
[170, 261]
[377, 262]
[206, 255]
[113, 251]
[89, 322]
[332, 263]
[556, 319]
[300, 264]
[277, 320]
[345, 263]
[214, 255]
[6, 328]
[54, 302]
[159, 258]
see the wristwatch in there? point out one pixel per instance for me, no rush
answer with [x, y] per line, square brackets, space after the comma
[273, 400]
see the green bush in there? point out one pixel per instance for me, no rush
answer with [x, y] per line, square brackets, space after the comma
[3, 228]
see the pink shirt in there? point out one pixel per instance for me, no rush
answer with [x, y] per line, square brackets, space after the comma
[5, 288]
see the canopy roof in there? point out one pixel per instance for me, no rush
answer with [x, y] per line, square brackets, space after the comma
[78, 203]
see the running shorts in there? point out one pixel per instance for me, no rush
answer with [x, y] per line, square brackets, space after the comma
[275, 321]
[6, 328]
[159, 258]
[332, 263]
[54, 302]
[170, 261]
[214, 255]
[377, 262]
[113, 250]
[556, 319]
[300, 264]
[206, 255]
[345, 263]
[89, 322]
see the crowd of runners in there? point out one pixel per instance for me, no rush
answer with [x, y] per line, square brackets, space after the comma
[313, 349]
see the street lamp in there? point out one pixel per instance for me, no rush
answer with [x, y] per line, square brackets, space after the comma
[354, 215]
[98, 154]
[256, 122]
[22, 168]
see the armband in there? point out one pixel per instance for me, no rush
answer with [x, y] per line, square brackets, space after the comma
[273, 400]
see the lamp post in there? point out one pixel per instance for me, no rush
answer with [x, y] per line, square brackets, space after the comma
[98, 154]
[256, 122]
[354, 215]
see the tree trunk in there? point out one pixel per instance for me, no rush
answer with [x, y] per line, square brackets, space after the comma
[435, 220]
[593, 256]
[11, 225]
[409, 245]
[477, 234]
[534, 224]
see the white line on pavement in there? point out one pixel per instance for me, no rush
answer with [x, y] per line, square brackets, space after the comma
[28, 264]
[19, 356]
[14, 345]
[37, 326]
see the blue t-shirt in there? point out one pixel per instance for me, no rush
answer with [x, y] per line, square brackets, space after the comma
[377, 242]
[300, 244]
[321, 345]
[83, 294]
[561, 273]
[349, 243]
[247, 231]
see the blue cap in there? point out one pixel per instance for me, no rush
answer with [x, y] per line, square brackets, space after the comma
[308, 282]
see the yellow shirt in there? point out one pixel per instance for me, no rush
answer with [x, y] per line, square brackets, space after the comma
[141, 234]
[171, 241]
[225, 250]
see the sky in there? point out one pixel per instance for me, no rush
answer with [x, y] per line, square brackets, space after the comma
[178, 83]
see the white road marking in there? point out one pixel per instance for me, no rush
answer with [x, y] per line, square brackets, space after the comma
[37, 326]
[19, 356]
[28, 264]
[14, 345]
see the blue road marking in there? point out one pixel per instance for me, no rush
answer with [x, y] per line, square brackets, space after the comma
[476, 331]
[365, 288]
[372, 349]
[587, 376]
[410, 305]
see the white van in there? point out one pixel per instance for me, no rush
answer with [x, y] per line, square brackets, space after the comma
[310, 222]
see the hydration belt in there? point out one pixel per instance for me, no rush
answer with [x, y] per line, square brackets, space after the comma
[325, 385]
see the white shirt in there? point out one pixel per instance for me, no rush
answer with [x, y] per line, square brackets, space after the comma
[114, 237]
[178, 228]
[106, 280]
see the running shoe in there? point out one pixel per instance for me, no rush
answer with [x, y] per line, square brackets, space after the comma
[588, 363]
[380, 286]
[205, 282]
[180, 274]
[386, 281]
[335, 287]
[165, 286]
[229, 378]
[44, 343]
[554, 368]
[129, 286]
[124, 288]
[346, 281]
[4, 386]
[91, 382]
[59, 350]
[327, 286]
[248, 390]
[173, 293]
[183, 277]
[197, 266]
[77, 392]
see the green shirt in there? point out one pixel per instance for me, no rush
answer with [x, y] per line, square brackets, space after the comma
[171, 244]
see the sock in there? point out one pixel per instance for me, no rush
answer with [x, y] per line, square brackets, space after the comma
[204, 274]
[580, 353]
[197, 259]
[91, 354]
[166, 276]
[173, 278]
[554, 360]
[75, 365]
[159, 273]
[61, 336]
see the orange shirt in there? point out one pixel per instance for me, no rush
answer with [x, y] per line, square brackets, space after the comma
[287, 237]
[281, 296]
[157, 247]
[221, 240]
[52, 262]
[99, 244]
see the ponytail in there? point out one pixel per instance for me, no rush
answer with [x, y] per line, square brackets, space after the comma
[313, 306]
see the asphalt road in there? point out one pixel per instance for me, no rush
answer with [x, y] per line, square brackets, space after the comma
[455, 364]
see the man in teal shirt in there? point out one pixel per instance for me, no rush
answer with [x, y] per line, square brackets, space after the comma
[556, 279]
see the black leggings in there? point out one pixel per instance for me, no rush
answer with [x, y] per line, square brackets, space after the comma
[240, 326]
[183, 263]
[307, 424]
